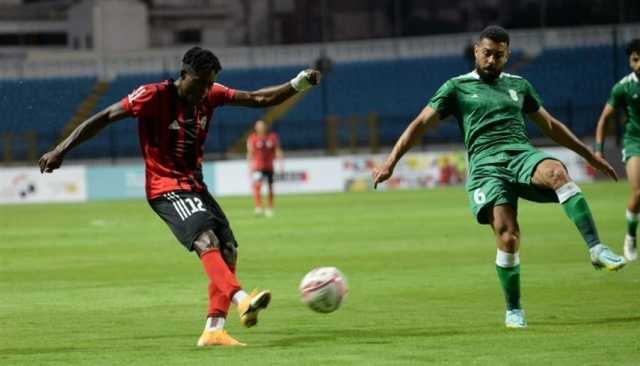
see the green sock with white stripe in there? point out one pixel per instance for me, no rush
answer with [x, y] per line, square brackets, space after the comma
[508, 269]
[632, 223]
[577, 209]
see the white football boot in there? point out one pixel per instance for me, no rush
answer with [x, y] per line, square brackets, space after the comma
[515, 319]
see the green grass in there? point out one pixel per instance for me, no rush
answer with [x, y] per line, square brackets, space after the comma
[107, 284]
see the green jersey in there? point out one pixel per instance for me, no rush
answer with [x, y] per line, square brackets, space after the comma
[490, 115]
[626, 95]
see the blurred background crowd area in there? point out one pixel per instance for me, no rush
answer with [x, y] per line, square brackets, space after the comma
[63, 60]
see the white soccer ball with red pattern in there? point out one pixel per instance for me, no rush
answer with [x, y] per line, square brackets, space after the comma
[323, 289]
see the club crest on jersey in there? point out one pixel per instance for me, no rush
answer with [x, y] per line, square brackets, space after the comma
[203, 122]
[174, 125]
[513, 95]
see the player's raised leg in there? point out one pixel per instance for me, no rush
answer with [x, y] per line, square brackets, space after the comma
[223, 284]
[503, 220]
[633, 208]
[551, 174]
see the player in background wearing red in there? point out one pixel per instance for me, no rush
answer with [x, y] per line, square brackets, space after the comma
[173, 121]
[263, 147]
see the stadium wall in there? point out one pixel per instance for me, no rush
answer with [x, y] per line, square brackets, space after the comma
[351, 173]
[39, 62]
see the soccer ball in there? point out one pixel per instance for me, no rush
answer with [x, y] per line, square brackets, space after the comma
[323, 289]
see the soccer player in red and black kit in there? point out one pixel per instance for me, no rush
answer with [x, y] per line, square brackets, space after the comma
[173, 120]
[263, 147]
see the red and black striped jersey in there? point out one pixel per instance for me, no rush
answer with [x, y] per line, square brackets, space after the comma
[172, 134]
[264, 150]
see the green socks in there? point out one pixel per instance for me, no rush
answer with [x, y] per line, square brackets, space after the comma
[632, 223]
[508, 269]
[577, 209]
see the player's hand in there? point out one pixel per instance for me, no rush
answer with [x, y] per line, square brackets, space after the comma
[381, 174]
[313, 76]
[50, 161]
[598, 162]
[306, 79]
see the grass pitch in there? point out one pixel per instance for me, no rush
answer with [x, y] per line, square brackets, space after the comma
[107, 284]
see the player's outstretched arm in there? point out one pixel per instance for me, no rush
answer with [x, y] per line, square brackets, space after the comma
[601, 128]
[559, 133]
[87, 129]
[274, 95]
[425, 120]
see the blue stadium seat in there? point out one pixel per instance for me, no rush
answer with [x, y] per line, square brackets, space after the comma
[40, 105]
[573, 82]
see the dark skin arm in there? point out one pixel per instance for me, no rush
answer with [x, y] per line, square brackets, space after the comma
[52, 160]
[272, 95]
[559, 133]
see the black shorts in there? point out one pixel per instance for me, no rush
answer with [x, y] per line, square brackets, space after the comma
[189, 214]
[260, 175]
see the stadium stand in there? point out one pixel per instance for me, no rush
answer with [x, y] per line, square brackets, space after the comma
[42, 106]
[395, 90]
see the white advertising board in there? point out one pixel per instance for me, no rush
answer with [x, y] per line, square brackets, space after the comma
[414, 170]
[299, 176]
[28, 185]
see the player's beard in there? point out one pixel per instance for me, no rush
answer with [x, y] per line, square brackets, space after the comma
[488, 74]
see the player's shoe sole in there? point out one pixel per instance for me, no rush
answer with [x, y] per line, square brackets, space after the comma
[217, 338]
[252, 305]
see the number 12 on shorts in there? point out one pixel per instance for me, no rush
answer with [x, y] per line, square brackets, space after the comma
[185, 207]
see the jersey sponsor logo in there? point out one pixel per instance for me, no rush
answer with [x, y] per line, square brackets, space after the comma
[513, 95]
[294, 176]
[185, 207]
[174, 125]
[203, 122]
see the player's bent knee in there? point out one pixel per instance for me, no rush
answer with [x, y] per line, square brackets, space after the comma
[509, 241]
[230, 253]
[555, 174]
[508, 237]
[205, 242]
[560, 175]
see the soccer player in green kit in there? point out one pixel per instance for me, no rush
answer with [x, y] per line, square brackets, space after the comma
[625, 95]
[503, 165]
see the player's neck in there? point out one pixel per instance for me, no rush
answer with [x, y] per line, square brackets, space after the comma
[181, 96]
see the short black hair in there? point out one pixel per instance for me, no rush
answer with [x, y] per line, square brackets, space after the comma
[198, 60]
[633, 46]
[495, 33]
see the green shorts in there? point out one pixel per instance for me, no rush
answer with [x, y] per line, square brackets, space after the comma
[630, 148]
[502, 179]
